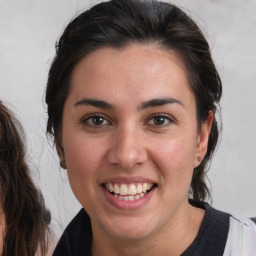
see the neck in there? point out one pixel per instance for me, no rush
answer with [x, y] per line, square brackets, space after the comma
[172, 239]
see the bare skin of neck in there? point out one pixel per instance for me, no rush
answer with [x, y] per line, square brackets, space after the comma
[173, 239]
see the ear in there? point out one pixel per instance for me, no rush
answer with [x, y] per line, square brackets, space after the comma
[61, 154]
[202, 140]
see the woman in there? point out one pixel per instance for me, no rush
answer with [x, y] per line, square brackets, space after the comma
[132, 97]
[24, 218]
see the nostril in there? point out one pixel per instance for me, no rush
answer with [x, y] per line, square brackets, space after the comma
[128, 159]
[127, 151]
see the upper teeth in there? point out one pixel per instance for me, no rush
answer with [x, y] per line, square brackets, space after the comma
[130, 190]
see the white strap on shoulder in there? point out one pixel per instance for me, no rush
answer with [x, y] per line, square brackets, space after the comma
[241, 238]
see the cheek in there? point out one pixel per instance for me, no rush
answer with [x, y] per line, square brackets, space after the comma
[176, 154]
[175, 161]
[83, 162]
[83, 158]
[82, 153]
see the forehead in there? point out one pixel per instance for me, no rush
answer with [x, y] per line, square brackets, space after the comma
[136, 69]
[131, 57]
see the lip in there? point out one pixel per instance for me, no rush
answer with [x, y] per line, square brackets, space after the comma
[127, 180]
[128, 205]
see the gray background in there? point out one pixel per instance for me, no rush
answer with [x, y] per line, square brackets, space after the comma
[28, 31]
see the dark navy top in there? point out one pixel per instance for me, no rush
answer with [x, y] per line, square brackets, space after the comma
[210, 241]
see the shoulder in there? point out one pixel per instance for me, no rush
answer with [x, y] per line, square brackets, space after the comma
[213, 233]
[214, 220]
[222, 234]
[77, 237]
[254, 220]
[241, 237]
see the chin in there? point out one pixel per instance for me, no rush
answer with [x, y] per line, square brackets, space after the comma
[130, 229]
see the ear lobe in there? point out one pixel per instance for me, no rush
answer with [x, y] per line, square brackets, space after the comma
[203, 138]
[61, 154]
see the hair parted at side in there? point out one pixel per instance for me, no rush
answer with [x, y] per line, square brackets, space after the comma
[118, 23]
[26, 218]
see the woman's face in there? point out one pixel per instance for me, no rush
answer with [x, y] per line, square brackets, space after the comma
[129, 125]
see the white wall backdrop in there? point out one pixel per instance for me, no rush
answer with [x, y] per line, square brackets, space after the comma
[28, 31]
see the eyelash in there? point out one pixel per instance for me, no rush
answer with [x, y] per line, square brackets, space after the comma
[89, 120]
[86, 121]
[162, 116]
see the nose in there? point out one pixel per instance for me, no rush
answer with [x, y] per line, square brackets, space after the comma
[127, 149]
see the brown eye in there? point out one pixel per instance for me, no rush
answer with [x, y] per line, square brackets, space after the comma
[96, 121]
[160, 120]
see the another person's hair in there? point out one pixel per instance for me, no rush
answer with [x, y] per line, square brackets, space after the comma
[119, 23]
[26, 229]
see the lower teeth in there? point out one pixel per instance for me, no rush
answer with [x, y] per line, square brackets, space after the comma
[129, 198]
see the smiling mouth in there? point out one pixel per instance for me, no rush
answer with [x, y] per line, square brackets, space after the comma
[129, 192]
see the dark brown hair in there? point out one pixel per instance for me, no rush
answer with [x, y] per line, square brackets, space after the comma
[118, 23]
[26, 218]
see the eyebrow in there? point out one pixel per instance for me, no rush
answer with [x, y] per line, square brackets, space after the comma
[95, 103]
[159, 102]
[144, 105]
